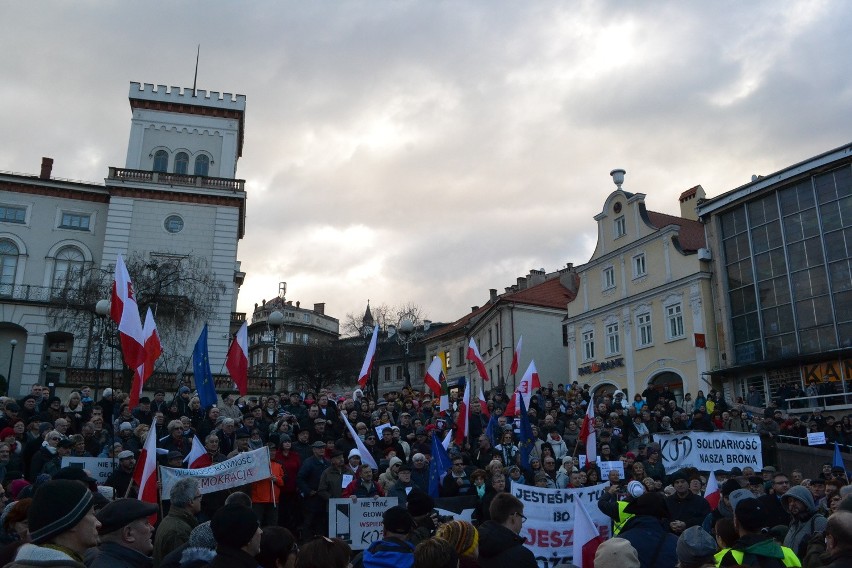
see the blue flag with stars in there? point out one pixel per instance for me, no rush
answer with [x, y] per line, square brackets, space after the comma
[439, 466]
[526, 442]
[201, 371]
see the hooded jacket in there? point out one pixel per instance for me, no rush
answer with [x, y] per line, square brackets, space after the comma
[499, 547]
[801, 530]
[757, 550]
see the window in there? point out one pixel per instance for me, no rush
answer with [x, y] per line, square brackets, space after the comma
[460, 355]
[589, 345]
[399, 373]
[645, 335]
[639, 265]
[674, 321]
[202, 165]
[612, 342]
[608, 278]
[13, 214]
[173, 224]
[161, 161]
[8, 266]
[75, 221]
[181, 163]
[448, 358]
[68, 270]
[490, 338]
[307, 318]
[620, 227]
[288, 337]
[387, 374]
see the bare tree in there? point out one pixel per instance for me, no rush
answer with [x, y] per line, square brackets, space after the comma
[384, 315]
[320, 365]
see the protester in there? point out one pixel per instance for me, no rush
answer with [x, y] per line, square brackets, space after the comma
[435, 553]
[755, 547]
[174, 530]
[395, 547]
[465, 540]
[324, 552]
[500, 545]
[125, 535]
[278, 548]
[616, 553]
[238, 535]
[648, 531]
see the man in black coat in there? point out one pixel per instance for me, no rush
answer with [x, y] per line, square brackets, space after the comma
[500, 545]
[308, 481]
[686, 509]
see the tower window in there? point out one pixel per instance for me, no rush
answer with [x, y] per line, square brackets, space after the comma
[161, 161]
[202, 165]
[181, 163]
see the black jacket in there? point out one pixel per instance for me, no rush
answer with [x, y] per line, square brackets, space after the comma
[227, 557]
[657, 547]
[691, 510]
[113, 555]
[499, 547]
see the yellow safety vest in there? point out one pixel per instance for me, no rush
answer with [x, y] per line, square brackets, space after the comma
[790, 559]
[618, 526]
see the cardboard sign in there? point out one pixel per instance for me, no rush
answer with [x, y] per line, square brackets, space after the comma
[359, 523]
[99, 468]
[816, 438]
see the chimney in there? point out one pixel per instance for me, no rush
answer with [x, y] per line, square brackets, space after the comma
[522, 283]
[689, 202]
[492, 295]
[320, 308]
[474, 308]
[536, 277]
[46, 168]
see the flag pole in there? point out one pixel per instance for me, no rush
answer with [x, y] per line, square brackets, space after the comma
[160, 493]
[271, 478]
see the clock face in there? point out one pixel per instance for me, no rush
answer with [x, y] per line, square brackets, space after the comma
[617, 207]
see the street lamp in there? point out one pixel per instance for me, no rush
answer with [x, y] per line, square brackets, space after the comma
[275, 321]
[102, 309]
[13, 343]
[406, 333]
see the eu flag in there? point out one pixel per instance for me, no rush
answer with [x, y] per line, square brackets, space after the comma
[492, 430]
[438, 467]
[526, 442]
[201, 371]
[838, 458]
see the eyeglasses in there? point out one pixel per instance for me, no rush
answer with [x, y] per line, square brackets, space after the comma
[523, 518]
[458, 463]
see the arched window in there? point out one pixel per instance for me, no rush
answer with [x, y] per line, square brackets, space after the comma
[161, 161]
[202, 165]
[8, 266]
[181, 163]
[68, 270]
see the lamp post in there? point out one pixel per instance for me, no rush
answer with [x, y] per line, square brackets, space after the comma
[407, 333]
[275, 321]
[102, 309]
[13, 343]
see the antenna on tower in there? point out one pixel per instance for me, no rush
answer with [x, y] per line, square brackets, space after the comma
[195, 79]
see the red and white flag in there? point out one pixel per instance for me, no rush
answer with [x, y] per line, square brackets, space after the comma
[237, 359]
[153, 350]
[463, 420]
[712, 494]
[483, 404]
[588, 435]
[145, 474]
[364, 376]
[473, 355]
[433, 376]
[366, 456]
[197, 455]
[516, 357]
[587, 537]
[129, 322]
[526, 387]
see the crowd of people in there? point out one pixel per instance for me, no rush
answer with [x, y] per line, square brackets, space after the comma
[315, 458]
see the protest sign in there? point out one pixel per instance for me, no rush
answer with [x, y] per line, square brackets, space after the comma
[605, 466]
[98, 468]
[709, 451]
[816, 438]
[358, 522]
[241, 469]
[549, 528]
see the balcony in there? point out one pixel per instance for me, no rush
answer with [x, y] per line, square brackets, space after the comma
[42, 295]
[165, 178]
[168, 382]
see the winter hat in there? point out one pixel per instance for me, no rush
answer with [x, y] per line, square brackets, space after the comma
[635, 489]
[695, 547]
[58, 506]
[462, 535]
[16, 486]
[750, 514]
[397, 520]
[730, 486]
[616, 553]
[651, 504]
[419, 503]
[738, 495]
[107, 392]
[202, 537]
[234, 525]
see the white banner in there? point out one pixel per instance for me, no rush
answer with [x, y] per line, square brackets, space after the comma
[359, 523]
[709, 451]
[605, 466]
[816, 438]
[98, 468]
[549, 528]
[241, 469]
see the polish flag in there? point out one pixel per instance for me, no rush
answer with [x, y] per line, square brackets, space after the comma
[237, 359]
[528, 385]
[516, 357]
[197, 454]
[153, 350]
[129, 322]
[587, 537]
[366, 456]
[433, 376]
[473, 355]
[463, 420]
[145, 474]
[712, 494]
[588, 435]
[483, 404]
[368, 360]
[447, 439]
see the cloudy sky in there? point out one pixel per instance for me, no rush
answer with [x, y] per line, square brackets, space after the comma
[426, 151]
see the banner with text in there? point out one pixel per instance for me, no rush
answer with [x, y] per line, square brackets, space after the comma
[709, 451]
[549, 528]
[241, 469]
[359, 522]
[98, 468]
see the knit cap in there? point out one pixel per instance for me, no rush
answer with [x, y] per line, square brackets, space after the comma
[234, 525]
[202, 537]
[695, 546]
[57, 507]
[616, 553]
[462, 535]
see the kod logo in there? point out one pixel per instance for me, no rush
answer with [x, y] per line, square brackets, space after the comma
[675, 449]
